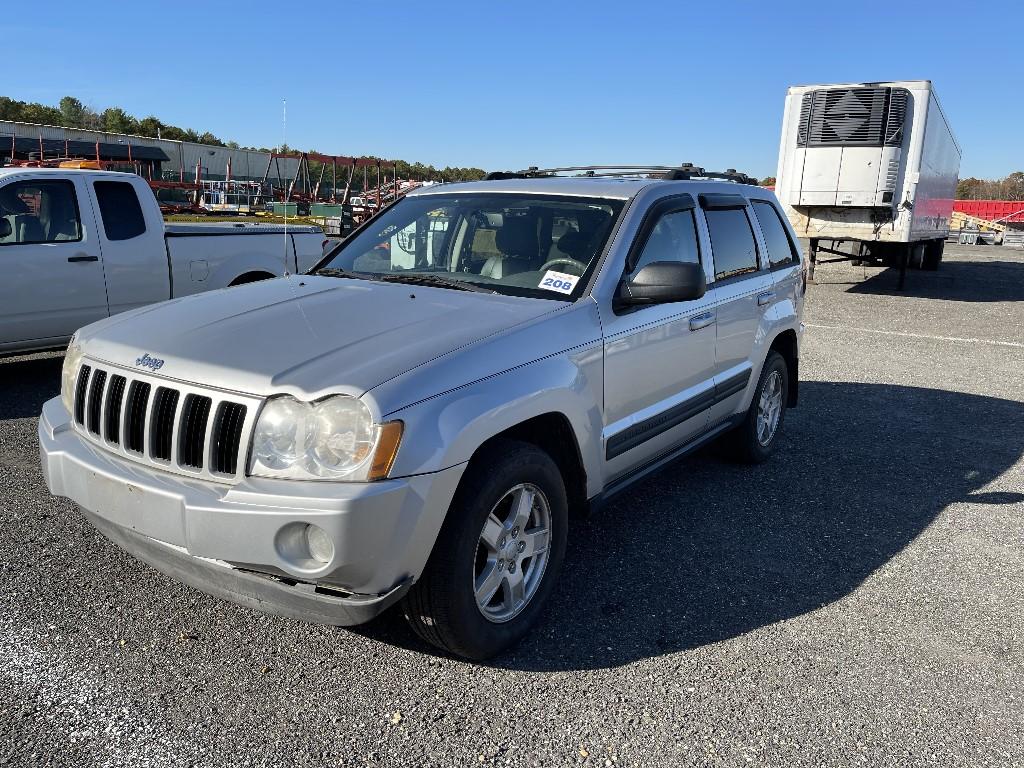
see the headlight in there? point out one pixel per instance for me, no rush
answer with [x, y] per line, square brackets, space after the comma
[68, 374]
[333, 439]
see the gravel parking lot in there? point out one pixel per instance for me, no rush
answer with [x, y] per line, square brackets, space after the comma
[857, 600]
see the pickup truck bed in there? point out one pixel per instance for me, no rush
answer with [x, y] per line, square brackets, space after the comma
[79, 245]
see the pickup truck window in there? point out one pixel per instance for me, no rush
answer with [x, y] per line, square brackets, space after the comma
[780, 249]
[507, 243]
[673, 238]
[40, 211]
[120, 210]
[732, 242]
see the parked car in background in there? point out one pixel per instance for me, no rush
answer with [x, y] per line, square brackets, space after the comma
[80, 245]
[415, 419]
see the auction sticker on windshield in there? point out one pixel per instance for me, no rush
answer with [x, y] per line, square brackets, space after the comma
[558, 281]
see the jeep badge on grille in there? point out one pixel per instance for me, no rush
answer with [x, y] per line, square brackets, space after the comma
[153, 363]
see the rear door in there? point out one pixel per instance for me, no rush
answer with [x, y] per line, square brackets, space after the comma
[783, 258]
[659, 360]
[134, 251]
[50, 261]
[743, 294]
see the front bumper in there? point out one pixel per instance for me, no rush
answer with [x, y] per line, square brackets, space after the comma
[233, 541]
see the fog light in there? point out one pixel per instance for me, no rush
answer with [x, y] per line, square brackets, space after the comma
[321, 548]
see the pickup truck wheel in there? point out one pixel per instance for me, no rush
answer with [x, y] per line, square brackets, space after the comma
[497, 556]
[250, 277]
[754, 439]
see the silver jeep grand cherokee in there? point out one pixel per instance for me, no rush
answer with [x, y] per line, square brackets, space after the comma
[414, 420]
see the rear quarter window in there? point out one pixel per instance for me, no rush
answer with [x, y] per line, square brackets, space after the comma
[120, 210]
[781, 249]
[732, 242]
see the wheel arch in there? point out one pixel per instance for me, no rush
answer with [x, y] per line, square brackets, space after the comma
[252, 276]
[786, 345]
[552, 433]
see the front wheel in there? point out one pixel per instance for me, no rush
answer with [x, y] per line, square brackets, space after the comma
[754, 439]
[497, 556]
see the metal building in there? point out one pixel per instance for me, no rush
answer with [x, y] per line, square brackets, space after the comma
[169, 160]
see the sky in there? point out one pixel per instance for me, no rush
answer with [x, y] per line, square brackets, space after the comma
[506, 85]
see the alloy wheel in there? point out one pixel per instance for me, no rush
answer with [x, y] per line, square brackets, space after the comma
[769, 408]
[512, 553]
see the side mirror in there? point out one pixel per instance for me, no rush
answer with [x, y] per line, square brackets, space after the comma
[5, 228]
[661, 282]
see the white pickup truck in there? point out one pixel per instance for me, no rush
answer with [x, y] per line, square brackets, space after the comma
[79, 245]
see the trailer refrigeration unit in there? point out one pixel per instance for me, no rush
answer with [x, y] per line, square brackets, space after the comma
[871, 170]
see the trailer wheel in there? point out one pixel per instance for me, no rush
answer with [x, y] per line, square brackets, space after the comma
[916, 255]
[933, 255]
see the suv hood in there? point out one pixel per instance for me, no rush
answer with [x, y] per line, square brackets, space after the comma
[306, 335]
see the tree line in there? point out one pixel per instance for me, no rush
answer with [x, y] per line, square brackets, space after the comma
[1009, 188]
[72, 113]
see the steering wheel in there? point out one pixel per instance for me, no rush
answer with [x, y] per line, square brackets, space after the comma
[567, 262]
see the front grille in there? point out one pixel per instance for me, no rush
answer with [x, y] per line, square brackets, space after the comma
[195, 412]
[227, 431]
[173, 426]
[96, 386]
[138, 399]
[115, 395]
[81, 387]
[161, 432]
[846, 117]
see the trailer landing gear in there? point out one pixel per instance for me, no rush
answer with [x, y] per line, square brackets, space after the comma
[922, 255]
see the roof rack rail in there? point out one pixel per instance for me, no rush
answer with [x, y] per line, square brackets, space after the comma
[680, 172]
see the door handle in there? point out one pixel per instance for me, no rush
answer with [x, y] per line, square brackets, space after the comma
[82, 257]
[701, 321]
[765, 298]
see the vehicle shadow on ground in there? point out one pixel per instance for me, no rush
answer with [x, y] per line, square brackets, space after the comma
[973, 281]
[707, 550]
[27, 383]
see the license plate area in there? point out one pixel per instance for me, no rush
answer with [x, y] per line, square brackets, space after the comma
[145, 511]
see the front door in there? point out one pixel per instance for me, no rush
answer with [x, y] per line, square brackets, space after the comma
[53, 281]
[659, 360]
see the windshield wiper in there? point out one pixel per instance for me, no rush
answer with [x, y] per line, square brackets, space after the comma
[431, 280]
[337, 272]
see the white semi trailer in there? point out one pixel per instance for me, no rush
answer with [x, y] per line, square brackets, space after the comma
[868, 171]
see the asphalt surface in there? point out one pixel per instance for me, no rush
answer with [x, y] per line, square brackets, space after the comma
[856, 600]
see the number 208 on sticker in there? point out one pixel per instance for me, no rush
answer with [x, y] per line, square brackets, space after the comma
[558, 281]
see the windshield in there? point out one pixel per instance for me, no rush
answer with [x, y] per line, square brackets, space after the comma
[516, 244]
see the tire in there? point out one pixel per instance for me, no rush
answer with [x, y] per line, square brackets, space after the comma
[917, 255]
[745, 443]
[933, 255]
[250, 277]
[442, 606]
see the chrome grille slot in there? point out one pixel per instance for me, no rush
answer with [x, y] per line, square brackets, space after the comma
[99, 380]
[173, 426]
[195, 413]
[135, 416]
[161, 427]
[227, 434]
[81, 387]
[115, 401]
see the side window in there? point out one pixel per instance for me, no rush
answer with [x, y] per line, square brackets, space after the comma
[732, 242]
[41, 211]
[120, 210]
[776, 238]
[673, 238]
